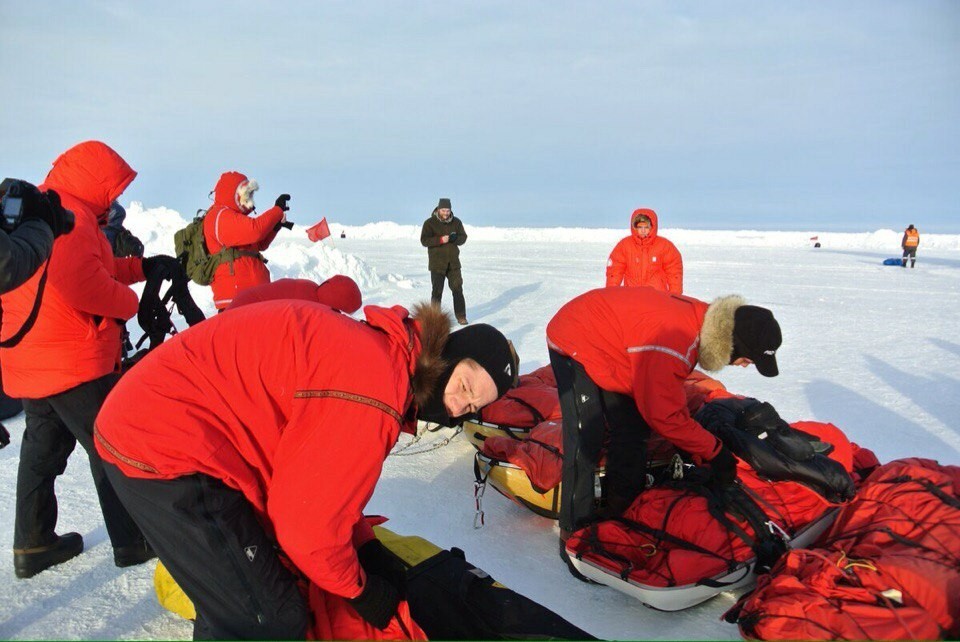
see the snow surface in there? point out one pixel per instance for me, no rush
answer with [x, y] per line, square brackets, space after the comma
[871, 348]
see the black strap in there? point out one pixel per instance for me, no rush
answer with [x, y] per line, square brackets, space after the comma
[32, 317]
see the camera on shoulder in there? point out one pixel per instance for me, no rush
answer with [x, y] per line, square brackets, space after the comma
[21, 201]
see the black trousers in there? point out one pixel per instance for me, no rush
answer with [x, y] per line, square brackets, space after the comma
[912, 253]
[210, 539]
[455, 278]
[54, 425]
[594, 417]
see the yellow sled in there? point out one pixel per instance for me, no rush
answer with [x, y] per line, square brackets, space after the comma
[512, 482]
[478, 431]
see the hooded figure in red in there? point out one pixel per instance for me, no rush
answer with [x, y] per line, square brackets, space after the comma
[68, 361]
[621, 357]
[228, 225]
[643, 258]
[266, 428]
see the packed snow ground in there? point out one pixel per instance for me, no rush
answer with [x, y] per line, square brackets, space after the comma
[871, 348]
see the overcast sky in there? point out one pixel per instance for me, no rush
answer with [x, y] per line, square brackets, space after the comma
[770, 115]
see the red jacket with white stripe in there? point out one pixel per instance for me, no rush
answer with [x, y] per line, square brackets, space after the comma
[644, 343]
[289, 402]
[226, 224]
[76, 336]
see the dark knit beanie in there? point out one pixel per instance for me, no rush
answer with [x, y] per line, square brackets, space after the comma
[756, 336]
[490, 349]
[444, 204]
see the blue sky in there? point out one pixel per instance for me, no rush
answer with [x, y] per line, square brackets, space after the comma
[769, 115]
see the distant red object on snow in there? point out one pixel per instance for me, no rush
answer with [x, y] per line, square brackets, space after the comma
[814, 238]
[319, 231]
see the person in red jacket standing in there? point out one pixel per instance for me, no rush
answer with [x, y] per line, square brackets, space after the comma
[230, 232]
[68, 361]
[643, 258]
[266, 429]
[621, 357]
[910, 243]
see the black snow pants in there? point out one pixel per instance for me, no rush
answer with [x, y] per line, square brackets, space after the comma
[589, 415]
[54, 425]
[209, 538]
[455, 278]
[909, 252]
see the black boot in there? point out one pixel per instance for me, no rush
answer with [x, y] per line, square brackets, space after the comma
[27, 562]
[133, 554]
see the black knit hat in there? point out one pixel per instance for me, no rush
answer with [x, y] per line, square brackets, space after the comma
[756, 336]
[444, 204]
[490, 349]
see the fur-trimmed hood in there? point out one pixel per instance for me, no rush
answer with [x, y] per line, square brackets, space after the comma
[434, 332]
[716, 334]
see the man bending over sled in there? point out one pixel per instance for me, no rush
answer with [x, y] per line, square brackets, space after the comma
[620, 357]
[247, 447]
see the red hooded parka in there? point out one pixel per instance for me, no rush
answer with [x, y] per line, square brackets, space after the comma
[652, 261]
[644, 343]
[289, 402]
[228, 224]
[76, 337]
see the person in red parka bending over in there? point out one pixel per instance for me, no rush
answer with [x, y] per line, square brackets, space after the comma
[68, 361]
[265, 429]
[621, 357]
[237, 239]
[643, 258]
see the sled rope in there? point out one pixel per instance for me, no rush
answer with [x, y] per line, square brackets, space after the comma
[405, 449]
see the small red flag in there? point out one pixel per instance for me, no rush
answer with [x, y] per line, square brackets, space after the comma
[814, 238]
[319, 231]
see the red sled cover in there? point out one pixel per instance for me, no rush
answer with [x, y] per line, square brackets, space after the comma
[889, 568]
[534, 400]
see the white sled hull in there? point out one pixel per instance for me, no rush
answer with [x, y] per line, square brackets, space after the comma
[677, 598]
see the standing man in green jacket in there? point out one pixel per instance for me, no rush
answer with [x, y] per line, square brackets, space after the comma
[442, 235]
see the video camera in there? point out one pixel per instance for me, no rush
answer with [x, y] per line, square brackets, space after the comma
[20, 201]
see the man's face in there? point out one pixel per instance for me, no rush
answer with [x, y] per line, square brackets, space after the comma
[469, 389]
[444, 213]
[643, 228]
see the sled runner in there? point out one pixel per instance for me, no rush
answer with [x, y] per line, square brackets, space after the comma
[447, 599]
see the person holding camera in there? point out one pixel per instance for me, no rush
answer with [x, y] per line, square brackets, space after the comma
[443, 234]
[30, 220]
[237, 238]
[66, 364]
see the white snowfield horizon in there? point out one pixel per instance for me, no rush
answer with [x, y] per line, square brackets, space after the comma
[873, 349]
[389, 230]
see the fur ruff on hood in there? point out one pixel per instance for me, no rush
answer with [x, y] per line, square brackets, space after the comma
[716, 334]
[434, 331]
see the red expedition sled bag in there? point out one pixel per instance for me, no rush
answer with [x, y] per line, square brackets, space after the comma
[889, 568]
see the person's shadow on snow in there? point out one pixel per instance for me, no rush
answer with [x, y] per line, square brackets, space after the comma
[872, 426]
[500, 302]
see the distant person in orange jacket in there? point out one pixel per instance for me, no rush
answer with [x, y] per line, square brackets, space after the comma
[228, 229]
[910, 243]
[643, 258]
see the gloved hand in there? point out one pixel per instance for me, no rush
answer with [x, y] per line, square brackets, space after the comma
[162, 267]
[452, 237]
[46, 207]
[723, 468]
[282, 202]
[377, 560]
[378, 602]
[4, 436]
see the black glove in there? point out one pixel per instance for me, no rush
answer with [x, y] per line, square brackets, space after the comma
[282, 202]
[378, 603]
[723, 468]
[162, 267]
[377, 560]
[4, 437]
[452, 237]
[45, 206]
